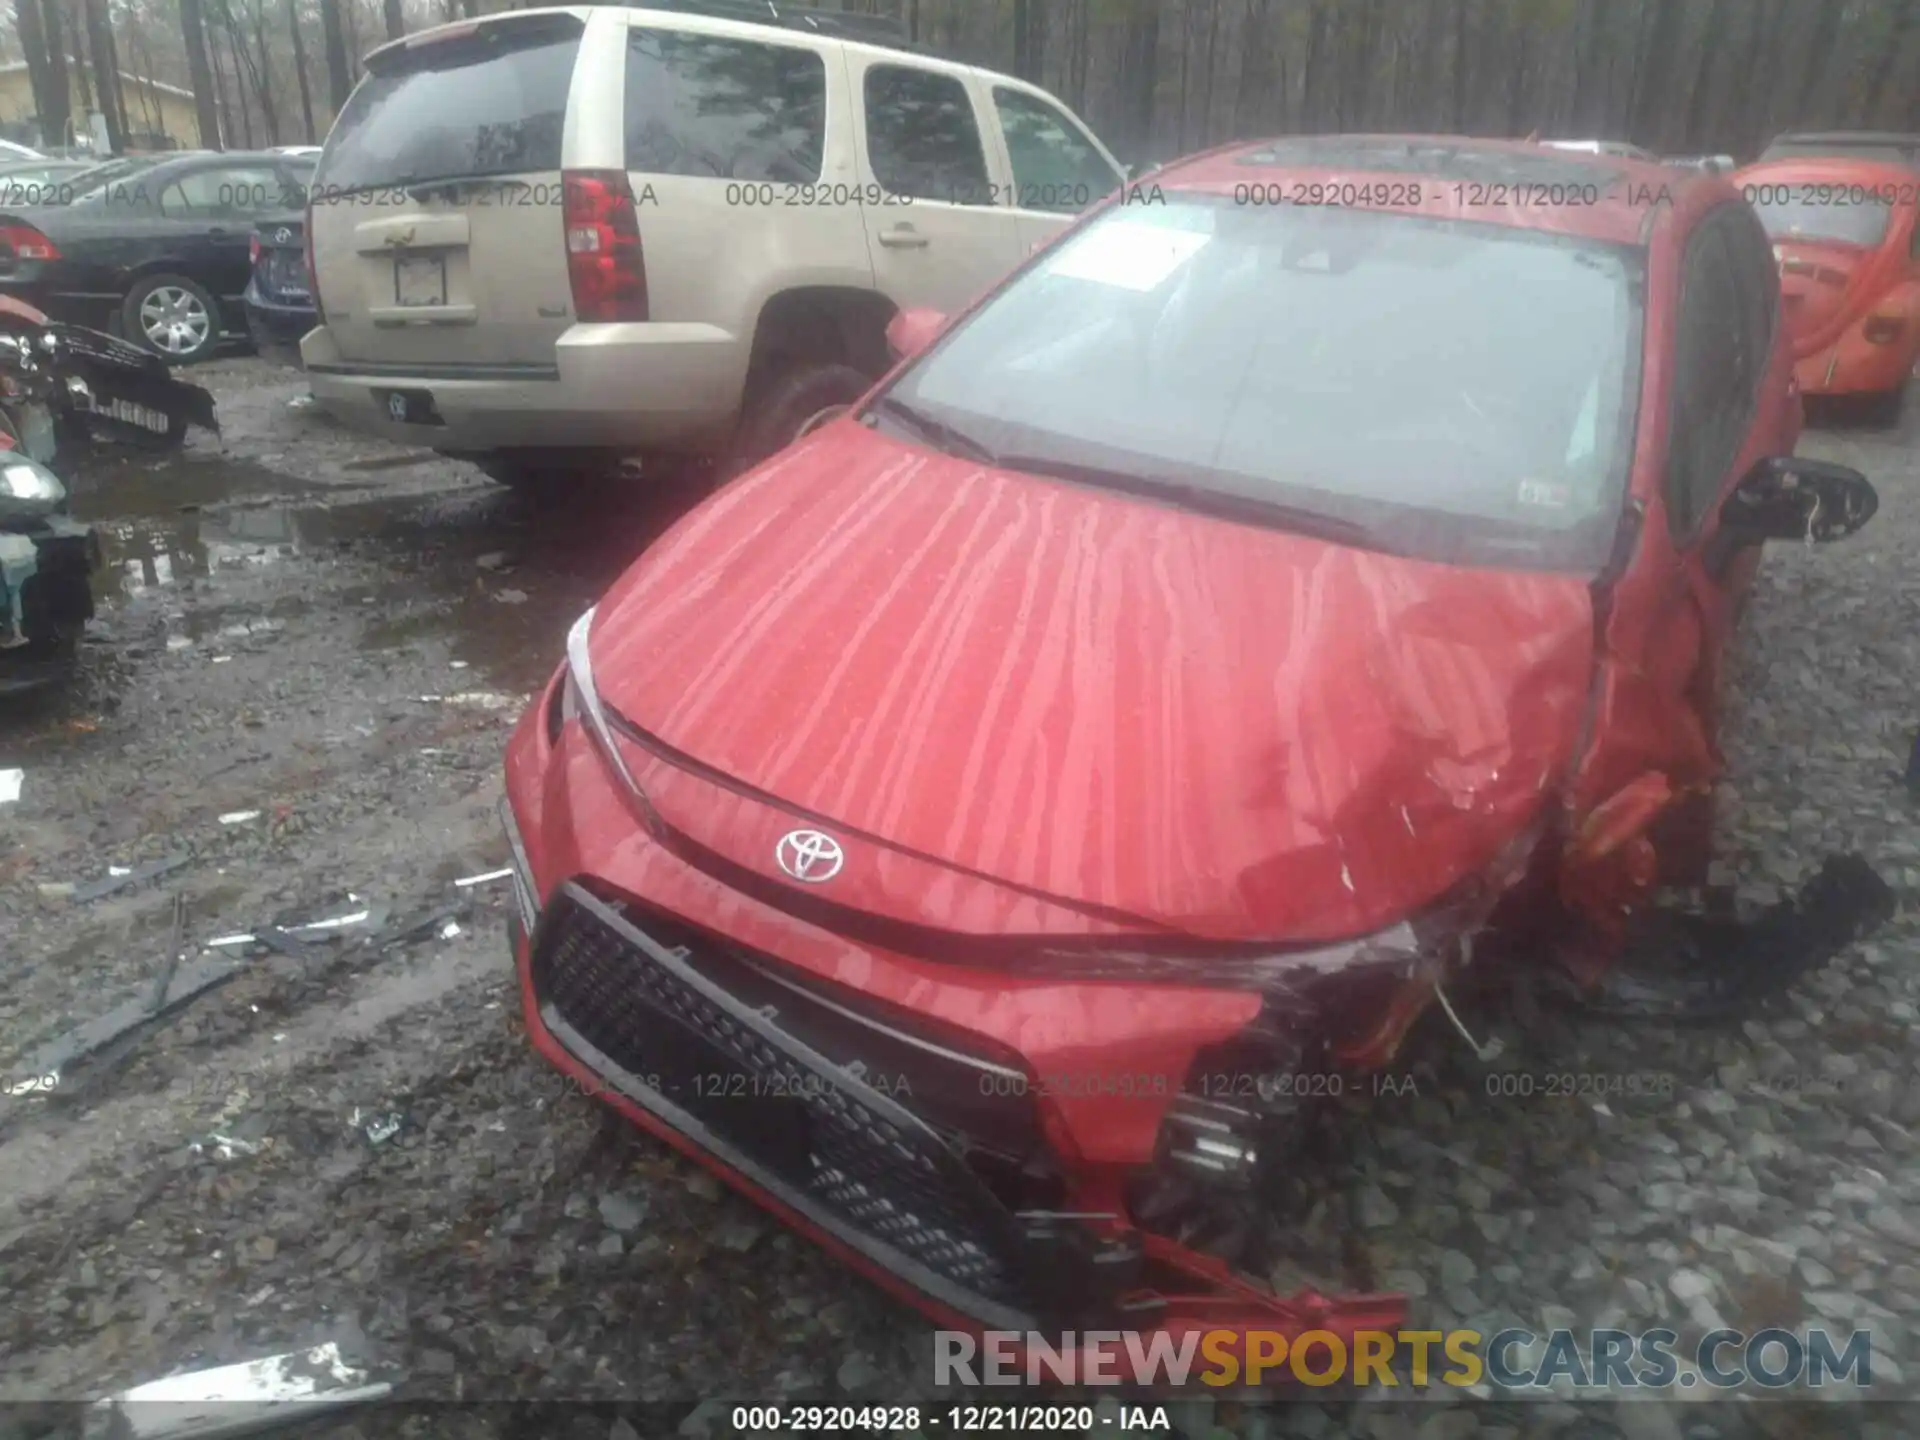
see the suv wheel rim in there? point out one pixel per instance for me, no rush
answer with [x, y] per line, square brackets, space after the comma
[819, 417]
[174, 320]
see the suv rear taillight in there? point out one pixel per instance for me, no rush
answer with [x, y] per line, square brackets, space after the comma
[313, 275]
[604, 262]
[28, 243]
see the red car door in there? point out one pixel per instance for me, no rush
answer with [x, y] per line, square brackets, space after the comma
[1642, 806]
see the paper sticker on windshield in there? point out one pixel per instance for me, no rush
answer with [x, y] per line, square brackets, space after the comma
[1546, 493]
[1133, 257]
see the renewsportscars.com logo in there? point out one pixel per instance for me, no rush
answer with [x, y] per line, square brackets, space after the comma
[1507, 1360]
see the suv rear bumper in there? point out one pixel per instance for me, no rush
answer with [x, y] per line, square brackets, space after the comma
[643, 385]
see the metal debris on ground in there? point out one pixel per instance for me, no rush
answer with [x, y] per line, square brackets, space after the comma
[10, 783]
[175, 945]
[120, 877]
[311, 927]
[487, 878]
[239, 817]
[510, 597]
[235, 1399]
[419, 927]
[226, 1147]
[378, 1128]
[492, 560]
[450, 929]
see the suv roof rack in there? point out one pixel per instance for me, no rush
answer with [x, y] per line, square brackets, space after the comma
[871, 29]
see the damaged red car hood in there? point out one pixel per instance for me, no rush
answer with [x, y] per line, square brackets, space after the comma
[1215, 728]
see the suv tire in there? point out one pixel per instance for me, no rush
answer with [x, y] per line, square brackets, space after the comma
[180, 308]
[788, 403]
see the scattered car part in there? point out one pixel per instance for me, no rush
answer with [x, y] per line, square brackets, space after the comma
[467, 881]
[91, 1037]
[378, 1128]
[10, 783]
[1686, 966]
[231, 1400]
[112, 883]
[175, 947]
[47, 560]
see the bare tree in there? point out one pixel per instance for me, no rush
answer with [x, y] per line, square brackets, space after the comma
[106, 73]
[1873, 94]
[58, 116]
[339, 82]
[396, 19]
[206, 99]
[33, 42]
[300, 68]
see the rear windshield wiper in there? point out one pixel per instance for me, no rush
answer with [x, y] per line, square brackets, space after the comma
[935, 431]
[1227, 504]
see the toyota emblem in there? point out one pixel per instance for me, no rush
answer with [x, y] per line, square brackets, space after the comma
[282, 236]
[809, 856]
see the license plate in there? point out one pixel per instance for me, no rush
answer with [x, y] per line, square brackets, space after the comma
[129, 413]
[409, 407]
[418, 281]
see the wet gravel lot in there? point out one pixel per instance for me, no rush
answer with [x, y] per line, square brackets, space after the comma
[311, 648]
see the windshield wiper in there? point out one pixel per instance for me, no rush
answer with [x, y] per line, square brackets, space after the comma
[1227, 504]
[936, 432]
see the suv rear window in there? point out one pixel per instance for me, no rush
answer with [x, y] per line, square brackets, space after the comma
[727, 109]
[489, 102]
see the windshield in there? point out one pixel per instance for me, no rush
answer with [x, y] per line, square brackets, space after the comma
[92, 186]
[493, 102]
[1457, 390]
[1850, 214]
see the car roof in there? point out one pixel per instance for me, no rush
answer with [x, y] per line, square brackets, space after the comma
[1853, 170]
[1855, 137]
[705, 17]
[1505, 182]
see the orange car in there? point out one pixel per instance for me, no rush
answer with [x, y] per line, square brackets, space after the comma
[1844, 232]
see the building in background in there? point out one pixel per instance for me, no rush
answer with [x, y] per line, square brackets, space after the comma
[159, 116]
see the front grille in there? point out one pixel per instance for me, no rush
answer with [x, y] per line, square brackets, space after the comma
[727, 1075]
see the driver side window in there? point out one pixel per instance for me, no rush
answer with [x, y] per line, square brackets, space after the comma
[1715, 377]
[1055, 167]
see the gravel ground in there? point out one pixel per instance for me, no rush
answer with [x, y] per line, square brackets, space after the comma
[336, 635]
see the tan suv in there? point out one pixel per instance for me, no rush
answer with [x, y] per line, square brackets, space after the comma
[554, 239]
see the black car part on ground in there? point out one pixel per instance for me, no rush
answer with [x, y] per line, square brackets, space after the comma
[1688, 966]
[126, 380]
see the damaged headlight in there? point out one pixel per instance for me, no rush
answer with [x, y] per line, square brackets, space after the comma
[583, 696]
[28, 480]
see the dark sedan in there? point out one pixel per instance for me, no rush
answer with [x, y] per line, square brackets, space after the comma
[160, 255]
[280, 295]
[41, 182]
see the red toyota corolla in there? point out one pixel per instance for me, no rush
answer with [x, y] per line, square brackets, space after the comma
[974, 831]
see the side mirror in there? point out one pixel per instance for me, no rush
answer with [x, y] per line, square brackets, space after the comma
[911, 331]
[1785, 497]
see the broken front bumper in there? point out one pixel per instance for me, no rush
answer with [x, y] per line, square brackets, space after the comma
[933, 1158]
[46, 582]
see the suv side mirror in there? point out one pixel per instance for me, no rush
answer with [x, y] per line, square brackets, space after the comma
[911, 331]
[1785, 497]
